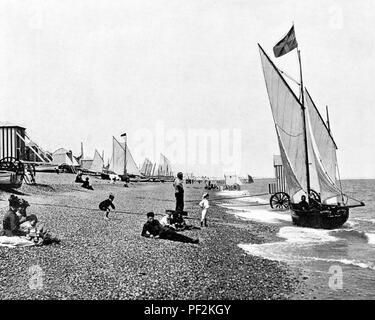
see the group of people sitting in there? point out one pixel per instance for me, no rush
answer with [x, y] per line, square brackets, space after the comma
[85, 183]
[171, 223]
[17, 222]
[154, 229]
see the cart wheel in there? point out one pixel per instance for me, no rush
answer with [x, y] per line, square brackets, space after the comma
[314, 195]
[280, 200]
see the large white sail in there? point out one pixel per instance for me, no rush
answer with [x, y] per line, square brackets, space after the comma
[118, 158]
[324, 152]
[288, 117]
[97, 163]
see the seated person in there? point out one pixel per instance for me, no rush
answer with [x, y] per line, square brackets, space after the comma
[166, 221]
[178, 221]
[86, 184]
[39, 236]
[303, 204]
[21, 211]
[153, 229]
[11, 220]
[31, 231]
[79, 177]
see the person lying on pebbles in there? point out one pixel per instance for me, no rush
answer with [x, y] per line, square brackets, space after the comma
[153, 229]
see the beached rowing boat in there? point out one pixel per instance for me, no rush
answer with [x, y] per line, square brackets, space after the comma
[11, 173]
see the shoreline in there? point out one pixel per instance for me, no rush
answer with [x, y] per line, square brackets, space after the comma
[110, 260]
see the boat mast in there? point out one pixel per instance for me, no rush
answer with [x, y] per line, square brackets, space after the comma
[304, 126]
[328, 125]
[125, 138]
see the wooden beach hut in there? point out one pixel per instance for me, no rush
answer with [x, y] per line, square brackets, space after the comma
[11, 143]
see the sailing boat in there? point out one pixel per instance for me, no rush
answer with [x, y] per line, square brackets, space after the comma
[302, 136]
[94, 166]
[165, 173]
[146, 168]
[121, 162]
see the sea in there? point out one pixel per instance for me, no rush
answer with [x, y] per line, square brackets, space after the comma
[337, 264]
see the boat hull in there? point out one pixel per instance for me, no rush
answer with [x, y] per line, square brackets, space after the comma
[46, 169]
[325, 218]
[10, 180]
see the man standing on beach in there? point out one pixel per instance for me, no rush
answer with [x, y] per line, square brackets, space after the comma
[179, 192]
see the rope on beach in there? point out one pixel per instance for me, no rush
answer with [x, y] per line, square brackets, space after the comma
[212, 199]
[237, 197]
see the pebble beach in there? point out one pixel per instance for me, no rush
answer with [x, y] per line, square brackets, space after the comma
[100, 259]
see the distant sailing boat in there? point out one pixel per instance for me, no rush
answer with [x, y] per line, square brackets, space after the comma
[146, 168]
[164, 172]
[303, 135]
[117, 164]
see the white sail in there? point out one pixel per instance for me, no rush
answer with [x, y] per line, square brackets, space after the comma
[86, 164]
[314, 179]
[146, 167]
[118, 159]
[149, 169]
[165, 167]
[97, 163]
[288, 117]
[324, 152]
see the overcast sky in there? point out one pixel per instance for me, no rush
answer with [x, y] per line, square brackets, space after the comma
[73, 71]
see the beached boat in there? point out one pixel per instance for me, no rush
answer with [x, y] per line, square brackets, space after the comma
[308, 152]
[122, 162]
[46, 168]
[12, 173]
[164, 173]
[92, 166]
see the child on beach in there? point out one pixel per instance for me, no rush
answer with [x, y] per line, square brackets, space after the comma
[39, 236]
[204, 204]
[31, 230]
[106, 204]
[86, 184]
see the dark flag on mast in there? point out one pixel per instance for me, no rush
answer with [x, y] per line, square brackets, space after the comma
[286, 44]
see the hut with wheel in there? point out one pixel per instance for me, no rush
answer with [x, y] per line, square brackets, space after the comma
[279, 193]
[12, 152]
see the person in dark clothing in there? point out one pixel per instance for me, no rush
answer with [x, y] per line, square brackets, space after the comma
[303, 204]
[79, 177]
[153, 229]
[11, 221]
[178, 221]
[179, 192]
[86, 184]
[106, 204]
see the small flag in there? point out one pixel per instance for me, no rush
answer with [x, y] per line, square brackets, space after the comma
[286, 44]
